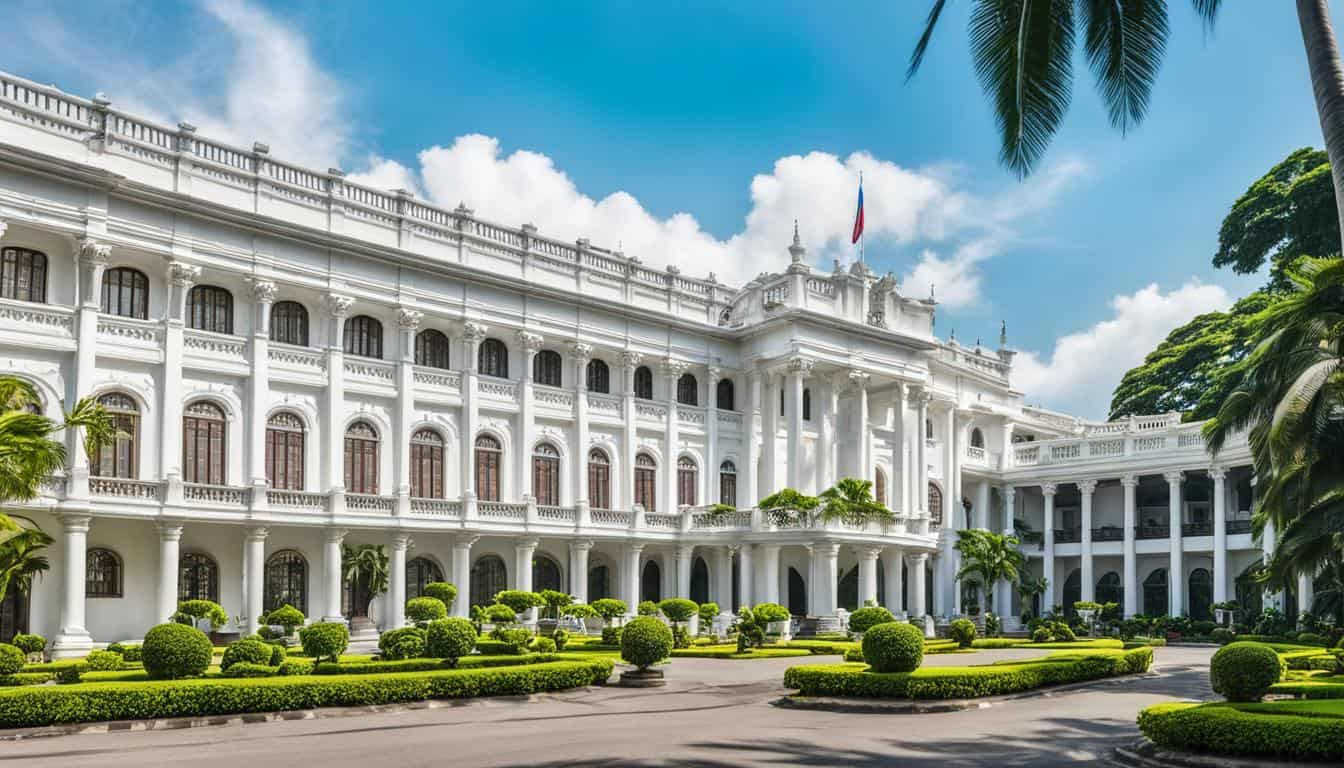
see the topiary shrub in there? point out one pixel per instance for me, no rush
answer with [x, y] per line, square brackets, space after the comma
[519, 600]
[1311, 638]
[708, 612]
[11, 660]
[248, 669]
[543, 645]
[29, 644]
[1222, 635]
[286, 616]
[679, 610]
[325, 640]
[610, 609]
[190, 611]
[440, 590]
[768, 613]
[866, 618]
[292, 667]
[1202, 627]
[69, 674]
[171, 651]
[277, 655]
[1245, 671]
[893, 647]
[962, 631]
[750, 633]
[647, 608]
[645, 641]
[681, 638]
[248, 650]
[1040, 635]
[499, 614]
[404, 643]
[516, 639]
[450, 639]
[104, 661]
[561, 638]
[611, 635]
[423, 610]
[1062, 633]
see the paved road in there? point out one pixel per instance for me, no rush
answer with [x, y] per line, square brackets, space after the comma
[712, 713]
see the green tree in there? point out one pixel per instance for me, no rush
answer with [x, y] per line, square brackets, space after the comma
[851, 500]
[29, 454]
[21, 556]
[364, 567]
[991, 556]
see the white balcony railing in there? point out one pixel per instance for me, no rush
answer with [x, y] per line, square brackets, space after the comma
[215, 495]
[313, 502]
[123, 488]
[436, 507]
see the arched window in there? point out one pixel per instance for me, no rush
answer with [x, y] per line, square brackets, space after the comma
[1073, 591]
[426, 464]
[102, 573]
[363, 337]
[928, 429]
[935, 506]
[23, 275]
[286, 581]
[1155, 593]
[493, 359]
[1109, 589]
[688, 390]
[599, 479]
[807, 405]
[728, 483]
[289, 323]
[431, 349]
[125, 293]
[651, 582]
[599, 377]
[117, 457]
[646, 482]
[880, 486]
[699, 580]
[599, 577]
[1200, 595]
[546, 574]
[643, 383]
[687, 481]
[723, 395]
[797, 593]
[284, 451]
[361, 458]
[419, 572]
[488, 578]
[197, 577]
[546, 368]
[488, 455]
[546, 474]
[977, 438]
[781, 401]
[203, 456]
[210, 308]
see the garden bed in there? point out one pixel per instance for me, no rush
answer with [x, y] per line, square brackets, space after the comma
[1297, 730]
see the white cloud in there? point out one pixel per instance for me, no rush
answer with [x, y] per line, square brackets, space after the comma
[1084, 367]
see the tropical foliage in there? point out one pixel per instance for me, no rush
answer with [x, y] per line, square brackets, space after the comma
[992, 557]
[22, 556]
[849, 500]
[365, 568]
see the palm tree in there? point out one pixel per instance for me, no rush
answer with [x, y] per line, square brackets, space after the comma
[1029, 588]
[21, 557]
[364, 568]
[851, 500]
[993, 557]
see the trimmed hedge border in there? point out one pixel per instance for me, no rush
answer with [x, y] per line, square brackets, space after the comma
[30, 706]
[1257, 730]
[433, 665]
[730, 652]
[965, 682]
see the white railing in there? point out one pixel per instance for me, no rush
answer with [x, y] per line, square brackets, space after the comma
[374, 370]
[368, 502]
[604, 403]
[141, 333]
[1134, 436]
[610, 517]
[298, 358]
[122, 488]
[505, 390]
[14, 315]
[218, 495]
[739, 520]
[729, 419]
[552, 514]
[316, 502]
[433, 377]
[662, 521]
[651, 411]
[558, 398]
[436, 507]
[691, 415]
[499, 510]
[215, 345]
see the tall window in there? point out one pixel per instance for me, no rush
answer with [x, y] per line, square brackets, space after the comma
[546, 474]
[488, 455]
[289, 323]
[728, 483]
[419, 572]
[363, 337]
[361, 458]
[546, 368]
[928, 429]
[125, 293]
[286, 581]
[493, 359]
[546, 574]
[210, 308]
[724, 397]
[687, 390]
[686, 481]
[1155, 593]
[117, 457]
[807, 405]
[599, 377]
[431, 349]
[644, 383]
[426, 464]
[197, 577]
[977, 438]
[880, 486]
[646, 482]
[23, 275]
[284, 452]
[102, 573]
[203, 456]
[599, 479]
[488, 578]
[1199, 596]
[935, 506]
[1109, 589]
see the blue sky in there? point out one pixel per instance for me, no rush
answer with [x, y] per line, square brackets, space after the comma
[695, 133]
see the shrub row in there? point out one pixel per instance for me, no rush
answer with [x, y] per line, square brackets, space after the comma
[965, 682]
[430, 665]
[1247, 730]
[731, 652]
[44, 705]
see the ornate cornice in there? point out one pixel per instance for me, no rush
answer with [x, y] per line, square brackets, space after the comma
[631, 360]
[581, 351]
[409, 319]
[530, 341]
[474, 332]
[93, 251]
[183, 274]
[263, 291]
[339, 306]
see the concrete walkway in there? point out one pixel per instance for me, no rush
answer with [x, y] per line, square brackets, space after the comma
[712, 713]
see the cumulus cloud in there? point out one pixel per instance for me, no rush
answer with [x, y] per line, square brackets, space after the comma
[1084, 367]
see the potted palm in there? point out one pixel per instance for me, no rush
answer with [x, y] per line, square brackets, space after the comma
[365, 570]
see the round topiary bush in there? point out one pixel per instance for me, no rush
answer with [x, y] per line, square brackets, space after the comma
[286, 616]
[893, 647]
[865, 619]
[645, 641]
[449, 639]
[1041, 635]
[499, 614]
[561, 638]
[1245, 671]
[397, 644]
[423, 610]
[543, 645]
[11, 660]
[325, 640]
[647, 608]
[440, 590]
[249, 650]
[768, 613]
[962, 631]
[609, 608]
[104, 661]
[678, 609]
[29, 644]
[277, 654]
[1222, 635]
[175, 650]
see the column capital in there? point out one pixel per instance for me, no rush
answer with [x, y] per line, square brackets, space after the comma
[94, 252]
[581, 545]
[1049, 489]
[1173, 477]
[401, 541]
[635, 547]
[715, 373]
[631, 360]
[524, 545]
[1130, 480]
[1217, 472]
[870, 553]
[169, 530]
[409, 319]
[673, 368]
[257, 533]
[3, 226]
[685, 551]
[580, 351]
[334, 535]
[263, 291]
[474, 332]
[339, 306]
[530, 341]
[801, 366]
[1086, 487]
[825, 548]
[183, 274]
[465, 541]
[75, 522]
[918, 558]
[857, 379]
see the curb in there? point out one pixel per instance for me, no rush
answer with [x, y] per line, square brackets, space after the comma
[1145, 754]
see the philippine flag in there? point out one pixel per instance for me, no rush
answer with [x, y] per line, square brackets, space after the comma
[858, 218]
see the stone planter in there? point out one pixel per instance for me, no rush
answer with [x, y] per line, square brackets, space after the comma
[643, 678]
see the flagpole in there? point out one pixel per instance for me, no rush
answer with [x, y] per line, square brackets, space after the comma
[861, 232]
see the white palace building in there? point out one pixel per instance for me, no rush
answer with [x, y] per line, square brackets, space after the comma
[296, 362]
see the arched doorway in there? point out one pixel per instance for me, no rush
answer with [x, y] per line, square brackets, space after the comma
[651, 584]
[546, 574]
[1200, 594]
[1110, 590]
[847, 589]
[797, 593]
[1155, 593]
[699, 581]
[1073, 591]
[1250, 593]
[598, 580]
[489, 577]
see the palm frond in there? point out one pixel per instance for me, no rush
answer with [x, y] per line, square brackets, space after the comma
[1125, 43]
[921, 47]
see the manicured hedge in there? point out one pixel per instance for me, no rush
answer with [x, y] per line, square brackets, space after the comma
[1262, 730]
[965, 682]
[988, 643]
[820, 647]
[731, 652]
[44, 705]
[431, 665]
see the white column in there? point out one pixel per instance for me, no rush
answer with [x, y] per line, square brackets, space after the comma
[629, 363]
[73, 639]
[1048, 558]
[1306, 592]
[1268, 539]
[259, 390]
[917, 563]
[863, 458]
[395, 615]
[921, 473]
[181, 277]
[580, 354]
[798, 369]
[723, 578]
[523, 550]
[632, 572]
[462, 574]
[1086, 488]
[472, 336]
[1131, 483]
[892, 562]
[745, 577]
[331, 570]
[170, 540]
[1219, 475]
[825, 403]
[751, 416]
[408, 321]
[825, 556]
[578, 569]
[769, 479]
[672, 370]
[868, 574]
[982, 505]
[530, 344]
[709, 479]
[92, 262]
[685, 553]
[1003, 601]
[1176, 575]
[333, 437]
[767, 589]
[254, 578]
[900, 496]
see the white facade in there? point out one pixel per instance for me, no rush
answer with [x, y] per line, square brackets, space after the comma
[482, 465]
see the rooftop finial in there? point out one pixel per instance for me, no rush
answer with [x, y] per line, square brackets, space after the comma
[1003, 333]
[796, 251]
[931, 292]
